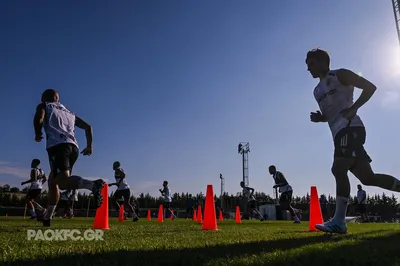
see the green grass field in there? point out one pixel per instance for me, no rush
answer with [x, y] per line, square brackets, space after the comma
[181, 242]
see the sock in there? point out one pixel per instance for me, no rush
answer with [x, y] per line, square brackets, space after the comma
[50, 212]
[296, 218]
[40, 208]
[82, 183]
[341, 209]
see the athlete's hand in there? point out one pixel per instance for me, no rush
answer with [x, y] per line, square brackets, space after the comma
[38, 138]
[316, 117]
[349, 113]
[87, 150]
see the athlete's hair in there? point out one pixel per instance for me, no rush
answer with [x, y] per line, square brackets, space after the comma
[319, 54]
[272, 167]
[50, 95]
[165, 182]
[35, 162]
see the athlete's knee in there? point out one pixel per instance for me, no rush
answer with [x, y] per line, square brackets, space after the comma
[340, 167]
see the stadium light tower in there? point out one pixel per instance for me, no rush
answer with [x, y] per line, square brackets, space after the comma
[244, 149]
[396, 10]
[222, 189]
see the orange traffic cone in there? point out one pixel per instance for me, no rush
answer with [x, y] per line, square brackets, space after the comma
[160, 214]
[148, 215]
[221, 217]
[238, 219]
[195, 215]
[172, 215]
[210, 216]
[121, 216]
[315, 209]
[101, 218]
[199, 215]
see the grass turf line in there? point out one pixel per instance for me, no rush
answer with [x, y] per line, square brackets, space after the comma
[181, 242]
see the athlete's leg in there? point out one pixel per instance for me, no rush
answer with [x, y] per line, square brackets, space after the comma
[363, 171]
[285, 202]
[347, 146]
[62, 159]
[128, 205]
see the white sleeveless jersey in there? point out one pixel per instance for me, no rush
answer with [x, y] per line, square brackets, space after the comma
[332, 98]
[38, 184]
[123, 185]
[167, 194]
[59, 125]
[247, 193]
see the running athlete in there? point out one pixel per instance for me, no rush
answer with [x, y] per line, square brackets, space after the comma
[166, 193]
[285, 199]
[38, 178]
[248, 193]
[334, 95]
[62, 148]
[123, 189]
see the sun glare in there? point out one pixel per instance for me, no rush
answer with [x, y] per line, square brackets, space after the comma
[393, 61]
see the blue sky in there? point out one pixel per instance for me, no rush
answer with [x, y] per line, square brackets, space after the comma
[171, 87]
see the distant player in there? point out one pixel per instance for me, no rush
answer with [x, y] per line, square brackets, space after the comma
[166, 193]
[59, 126]
[286, 191]
[361, 203]
[123, 190]
[334, 95]
[38, 178]
[248, 193]
[68, 197]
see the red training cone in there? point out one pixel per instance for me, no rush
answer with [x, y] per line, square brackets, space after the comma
[199, 215]
[160, 214]
[101, 218]
[121, 216]
[221, 217]
[210, 216]
[315, 209]
[195, 215]
[148, 215]
[238, 219]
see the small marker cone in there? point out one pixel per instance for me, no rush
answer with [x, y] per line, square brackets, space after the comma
[6, 214]
[210, 216]
[195, 215]
[238, 219]
[121, 215]
[315, 210]
[172, 215]
[160, 214]
[101, 218]
[148, 215]
[199, 215]
[221, 217]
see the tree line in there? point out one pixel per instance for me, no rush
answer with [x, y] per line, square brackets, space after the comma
[14, 197]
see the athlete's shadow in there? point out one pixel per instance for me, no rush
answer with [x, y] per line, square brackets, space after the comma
[367, 250]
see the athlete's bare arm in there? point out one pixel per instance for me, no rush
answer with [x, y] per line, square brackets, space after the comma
[44, 178]
[33, 178]
[79, 122]
[38, 121]
[349, 78]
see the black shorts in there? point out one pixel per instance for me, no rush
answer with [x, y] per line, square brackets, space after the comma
[349, 143]
[33, 193]
[126, 193]
[286, 197]
[252, 204]
[166, 205]
[62, 157]
[361, 208]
